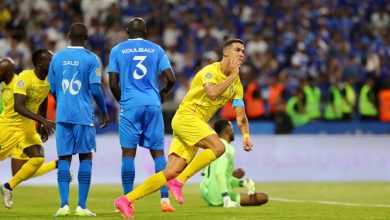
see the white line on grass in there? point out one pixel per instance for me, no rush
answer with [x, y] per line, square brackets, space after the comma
[328, 202]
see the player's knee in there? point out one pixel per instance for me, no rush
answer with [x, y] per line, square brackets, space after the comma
[37, 161]
[218, 149]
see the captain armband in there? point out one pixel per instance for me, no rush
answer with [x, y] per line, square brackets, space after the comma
[238, 102]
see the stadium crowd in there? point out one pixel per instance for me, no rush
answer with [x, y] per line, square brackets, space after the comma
[311, 59]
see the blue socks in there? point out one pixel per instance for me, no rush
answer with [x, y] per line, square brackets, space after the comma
[128, 174]
[159, 165]
[84, 176]
[63, 179]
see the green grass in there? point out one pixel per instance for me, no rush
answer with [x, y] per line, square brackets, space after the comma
[40, 202]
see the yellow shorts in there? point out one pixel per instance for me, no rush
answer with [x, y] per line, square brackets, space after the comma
[13, 142]
[187, 131]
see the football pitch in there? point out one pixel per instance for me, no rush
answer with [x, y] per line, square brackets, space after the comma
[287, 201]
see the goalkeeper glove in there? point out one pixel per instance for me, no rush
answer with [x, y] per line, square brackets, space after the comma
[250, 186]
[228, 203]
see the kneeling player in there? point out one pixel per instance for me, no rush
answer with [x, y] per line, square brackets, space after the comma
[219, 179]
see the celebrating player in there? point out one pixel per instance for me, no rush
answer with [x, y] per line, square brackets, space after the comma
[75, 76]
[23, 95]
[219, 177]
[134, 68]
[211, 88]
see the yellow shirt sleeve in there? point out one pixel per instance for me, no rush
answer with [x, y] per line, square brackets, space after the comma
[22, 84]
[208, 75]
[239, 93]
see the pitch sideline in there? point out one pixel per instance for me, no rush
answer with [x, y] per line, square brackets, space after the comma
[276, 199]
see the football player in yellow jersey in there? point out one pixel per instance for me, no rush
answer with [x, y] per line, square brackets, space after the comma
[211, 88]
[7, 80]
[23, 96]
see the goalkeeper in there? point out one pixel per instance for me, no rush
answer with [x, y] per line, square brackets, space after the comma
[219, 178]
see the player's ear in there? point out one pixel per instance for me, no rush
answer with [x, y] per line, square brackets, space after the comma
[225, 52]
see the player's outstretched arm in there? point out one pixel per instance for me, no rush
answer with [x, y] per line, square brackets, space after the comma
[243, 124]
[20, 107]
[97, 94]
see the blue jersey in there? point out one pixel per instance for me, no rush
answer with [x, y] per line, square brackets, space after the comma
[72, 71]
[138, 63]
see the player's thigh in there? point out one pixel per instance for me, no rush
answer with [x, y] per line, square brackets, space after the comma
[190, 129]
[64, 139]
[9, 140]
[31, 144]
[85, 136]
[182, 150]
[152, 136]
[130, 127]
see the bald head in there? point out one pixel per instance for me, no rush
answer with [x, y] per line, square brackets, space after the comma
[136, 28]
[78, 34]
[7, 69]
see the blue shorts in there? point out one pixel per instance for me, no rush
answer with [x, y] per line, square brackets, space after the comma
[143, 126]
[75, 139]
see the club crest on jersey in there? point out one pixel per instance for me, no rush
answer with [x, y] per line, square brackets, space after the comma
[98, 71]
[231, 89]
[20, 83]
[209, 75]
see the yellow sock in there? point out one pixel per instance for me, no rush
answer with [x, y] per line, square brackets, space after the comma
[151, 184]
[45, 168]
[27, 170]
[200, 161]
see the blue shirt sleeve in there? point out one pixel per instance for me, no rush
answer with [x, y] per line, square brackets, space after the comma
[51, 79]
[163, 61]
[238, 102]
[95, 74]
[97, 94]
[51, 76]
[113, 66]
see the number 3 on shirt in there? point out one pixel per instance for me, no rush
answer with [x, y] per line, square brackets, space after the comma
[140, 66]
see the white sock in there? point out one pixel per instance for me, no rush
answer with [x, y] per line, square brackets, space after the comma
[165, 200]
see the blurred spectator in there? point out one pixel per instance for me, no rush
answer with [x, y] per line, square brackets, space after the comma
[367, 101]
[328, 41]
[296, 109]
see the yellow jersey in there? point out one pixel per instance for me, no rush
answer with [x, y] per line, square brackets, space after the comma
[196, 101]
[35, 90]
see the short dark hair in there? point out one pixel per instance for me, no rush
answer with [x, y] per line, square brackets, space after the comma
[136, 27]
[229, 42]
[78, 31]
[36, 56]
[220, 125]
